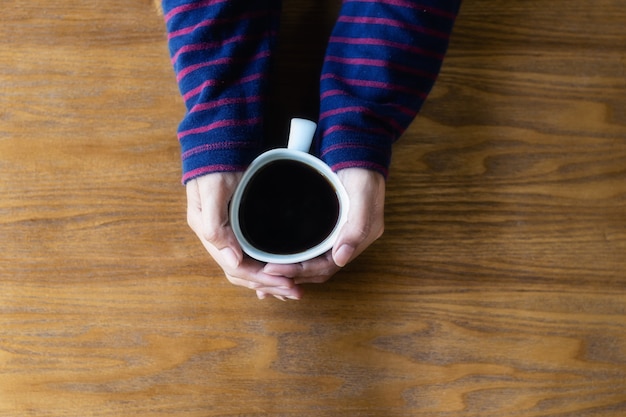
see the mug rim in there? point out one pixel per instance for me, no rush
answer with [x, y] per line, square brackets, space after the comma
[319, 166]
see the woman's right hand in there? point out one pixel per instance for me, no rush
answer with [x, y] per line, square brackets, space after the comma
[207, 215]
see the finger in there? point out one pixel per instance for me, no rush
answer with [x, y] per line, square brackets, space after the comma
[354, 231]
[316, 270]
[215, 192]
[252, 271]
[293, 292]
[257, 284]
[365, 223]
[207, 215]
[194, 205]
[352, 235]
[249, 274]
[226, 257]
[283, 270]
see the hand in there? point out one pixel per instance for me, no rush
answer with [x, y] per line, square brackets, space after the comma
[365, 224]
[207, 215]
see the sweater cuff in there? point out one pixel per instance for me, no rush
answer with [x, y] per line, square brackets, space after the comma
[345, 146]
[225, 149]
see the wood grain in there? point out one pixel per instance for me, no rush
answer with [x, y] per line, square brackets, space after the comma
[498, 289]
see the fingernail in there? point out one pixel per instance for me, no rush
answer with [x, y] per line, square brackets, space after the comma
[343, 255]
[229, 257]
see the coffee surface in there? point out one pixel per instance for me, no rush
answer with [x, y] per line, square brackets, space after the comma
[287, 207]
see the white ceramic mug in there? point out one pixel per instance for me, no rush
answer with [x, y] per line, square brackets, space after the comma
[271, 190]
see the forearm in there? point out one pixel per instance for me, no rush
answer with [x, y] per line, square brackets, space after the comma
[381, 62]
[220, 52]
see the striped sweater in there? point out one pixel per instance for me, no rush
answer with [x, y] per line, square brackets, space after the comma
[381, 62]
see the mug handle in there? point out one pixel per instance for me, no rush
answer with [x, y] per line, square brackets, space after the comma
[301, 134]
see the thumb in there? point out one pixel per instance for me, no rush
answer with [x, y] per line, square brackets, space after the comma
[365, 223]
[216, 191]
[353, 232]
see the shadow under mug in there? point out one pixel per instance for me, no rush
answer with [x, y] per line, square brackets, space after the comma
[289, 206]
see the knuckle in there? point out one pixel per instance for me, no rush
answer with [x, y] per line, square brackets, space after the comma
[211, 234]
[361, 232]
[253, 285]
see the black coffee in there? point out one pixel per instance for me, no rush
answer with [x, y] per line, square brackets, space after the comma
[287, 207]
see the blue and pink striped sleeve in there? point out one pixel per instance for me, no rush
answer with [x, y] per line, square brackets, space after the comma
[220, 51]
[382, 60]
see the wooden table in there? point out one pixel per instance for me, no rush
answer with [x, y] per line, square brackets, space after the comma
[498, 289]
